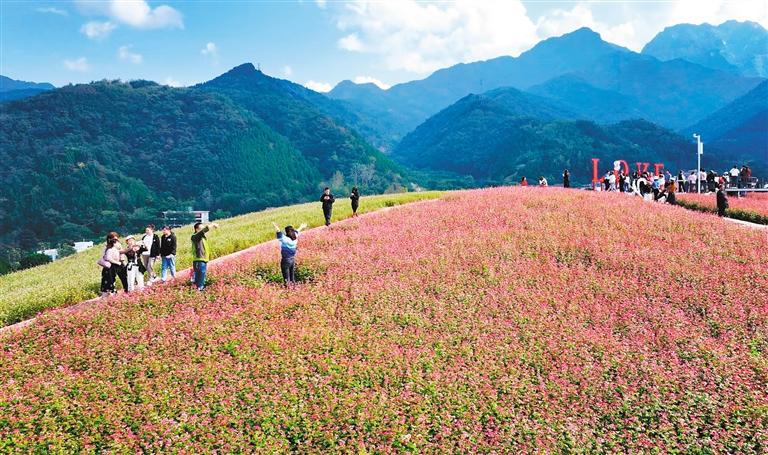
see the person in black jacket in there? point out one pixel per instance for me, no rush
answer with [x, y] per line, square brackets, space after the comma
[566, 179]
[168, 253]
[722, 201]
[327, 199]
[355, 197]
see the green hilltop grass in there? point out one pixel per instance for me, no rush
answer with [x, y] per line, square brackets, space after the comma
[76, 278]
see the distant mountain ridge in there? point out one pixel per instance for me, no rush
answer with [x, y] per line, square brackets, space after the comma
[11, 89]
[737, 47]
[481, 138]
[674, 93]
[740, 128]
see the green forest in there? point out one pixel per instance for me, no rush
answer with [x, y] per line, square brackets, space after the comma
[92, 158]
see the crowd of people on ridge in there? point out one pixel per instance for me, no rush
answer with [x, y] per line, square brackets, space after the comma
[130, 262]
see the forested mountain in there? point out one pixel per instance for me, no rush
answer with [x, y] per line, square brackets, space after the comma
[740, 128]
[574, 93]
[673, 94]
[482, 138]
[86, 159]
[11, 89]
[321, 128]
[737, 47]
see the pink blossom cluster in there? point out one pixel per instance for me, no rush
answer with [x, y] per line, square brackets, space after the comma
[752, 202]
[507, 320]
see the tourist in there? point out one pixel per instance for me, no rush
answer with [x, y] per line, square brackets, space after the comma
[120, 270]
[722, 201]
[168, 253]
[681, 181]
[110, 263]
[524, 181]
[354, 196]
[327, 199]
[692, 181]
[288, 244]
[566, 179]
[671, 189]
[201, 253]
[134, 264]
[542, 181]
[151, 244]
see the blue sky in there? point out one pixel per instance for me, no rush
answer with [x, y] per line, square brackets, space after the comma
[313, 42]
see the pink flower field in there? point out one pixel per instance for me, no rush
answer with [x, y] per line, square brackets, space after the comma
[509, 320]
[753, 203]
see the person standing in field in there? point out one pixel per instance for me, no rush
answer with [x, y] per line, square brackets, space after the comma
[289, 242]
[542, 181]
[354, 196]
[201, 253]
[566, 179]
[134, 267]
[327, 199]
[109, 261]
[152, 245]
[168, 253]
[524, 181]
[722, 201]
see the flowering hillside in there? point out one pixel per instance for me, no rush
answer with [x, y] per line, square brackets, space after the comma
[753, 207]
[506, 320]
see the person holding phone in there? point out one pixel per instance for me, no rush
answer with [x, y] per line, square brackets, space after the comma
[289, 242]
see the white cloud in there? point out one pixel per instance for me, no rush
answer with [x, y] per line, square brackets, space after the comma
[634, 24]
[124, 52]
[321, 3]
[351, 43]
[80, 65]
[287, 71]
[171, 82]
[321, 87]
[51, 10]
[371, 80]
[210, 49]
[97, 30]
[422, 37]
[135, 13]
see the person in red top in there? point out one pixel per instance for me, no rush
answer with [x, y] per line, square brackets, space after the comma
[524, 182]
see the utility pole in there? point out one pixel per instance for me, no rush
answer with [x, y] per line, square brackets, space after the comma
[699, 152]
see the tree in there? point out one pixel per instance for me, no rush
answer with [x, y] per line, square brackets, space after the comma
[66, 250]
[5, 267]
[33, 260]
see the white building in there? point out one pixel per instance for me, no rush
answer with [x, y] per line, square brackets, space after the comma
[82, 246]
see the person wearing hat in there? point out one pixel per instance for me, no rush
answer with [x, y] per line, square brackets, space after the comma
[135, 266]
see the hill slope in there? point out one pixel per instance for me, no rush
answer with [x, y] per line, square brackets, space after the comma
[28, 292]
[493, 321]
[738, 47]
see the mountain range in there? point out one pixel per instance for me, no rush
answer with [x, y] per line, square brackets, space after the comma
[89, 158]
[737, 47]
[597, 80]
[11, 89]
